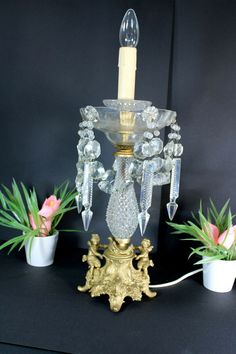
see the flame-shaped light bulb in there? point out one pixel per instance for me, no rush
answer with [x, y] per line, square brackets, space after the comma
[129, 30]
[129, 36]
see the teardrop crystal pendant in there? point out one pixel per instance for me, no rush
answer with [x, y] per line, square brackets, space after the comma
[87, 215]
[171, 209]
[122, 210]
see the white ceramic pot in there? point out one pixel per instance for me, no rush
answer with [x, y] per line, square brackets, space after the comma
[219, 275]
[42, 250]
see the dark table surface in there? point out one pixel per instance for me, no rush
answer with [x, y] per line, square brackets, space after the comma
[41, 311]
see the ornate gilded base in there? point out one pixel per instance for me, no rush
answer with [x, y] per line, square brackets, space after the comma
[118, 278]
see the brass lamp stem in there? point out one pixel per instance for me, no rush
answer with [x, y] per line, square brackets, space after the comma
[124, 150]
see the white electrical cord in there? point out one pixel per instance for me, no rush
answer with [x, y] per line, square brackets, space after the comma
[174, 282]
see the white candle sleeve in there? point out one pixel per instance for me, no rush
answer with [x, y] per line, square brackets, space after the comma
[127, 72]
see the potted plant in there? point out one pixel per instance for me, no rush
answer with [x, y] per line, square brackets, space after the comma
[217, 235]
[38, 227]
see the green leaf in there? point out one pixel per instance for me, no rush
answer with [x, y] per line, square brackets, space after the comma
[32, 204]
[20, 204]
[14, 240]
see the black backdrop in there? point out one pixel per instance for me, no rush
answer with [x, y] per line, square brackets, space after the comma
[59, 55]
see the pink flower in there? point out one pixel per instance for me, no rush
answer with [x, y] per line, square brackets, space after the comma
[45, 225]
[228, 237]
[212, 231]
[50, 206]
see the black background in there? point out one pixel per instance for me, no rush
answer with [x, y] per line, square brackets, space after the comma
[59, 55]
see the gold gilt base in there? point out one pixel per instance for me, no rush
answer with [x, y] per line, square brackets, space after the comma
[118, 278]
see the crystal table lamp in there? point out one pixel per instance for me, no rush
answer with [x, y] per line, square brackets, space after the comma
[133, 128]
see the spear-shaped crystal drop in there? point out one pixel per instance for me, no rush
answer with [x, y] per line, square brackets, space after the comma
[171, 208]
[145, 196]
[87, 195]
[143, 219]
[87, 215]
[174, 188]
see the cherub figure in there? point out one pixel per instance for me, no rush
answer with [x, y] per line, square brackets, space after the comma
[92, 258]
[143, 258]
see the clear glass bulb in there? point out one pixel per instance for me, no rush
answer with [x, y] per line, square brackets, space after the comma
[129, 30]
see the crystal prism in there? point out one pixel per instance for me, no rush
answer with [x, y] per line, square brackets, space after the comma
[150, 115]
[109, 176]
[135, 168]
[173, 136]
[178, 149]
[157, 146]
[78, 200]
[147, 149]
[175, 127]
[80, 147]
[145, 195]
[156, 132]
[159, 179]
[80, 167]
[157, 163]
[87, 189]
[107, 182]
[175, 179]
[86, 134]
[169, 149]
[86, 124]
[106, 186]
[98, 170]
[168, 165]
[148, 135]
[146, 187]
[144, 149]
[143, 219]
[79, 180]
[90, 113]
[87, 215]
[138, 149]
[92, 150]
[171, 208]
[165, 119]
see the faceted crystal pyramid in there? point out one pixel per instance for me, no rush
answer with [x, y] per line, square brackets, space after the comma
[171, 208]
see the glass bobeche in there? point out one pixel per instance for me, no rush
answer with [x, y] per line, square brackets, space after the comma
[123, 123]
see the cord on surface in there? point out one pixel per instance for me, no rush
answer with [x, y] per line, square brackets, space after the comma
[174, 282]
